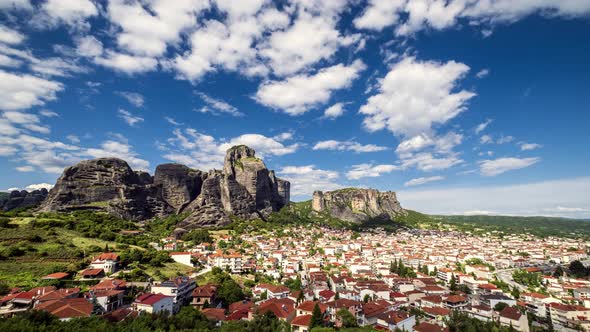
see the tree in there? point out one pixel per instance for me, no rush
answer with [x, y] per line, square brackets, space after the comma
[578, 270]
[558, 272]
[366, 298]
[453, 283]
[500, 306]
[316, 317]
[346, 318]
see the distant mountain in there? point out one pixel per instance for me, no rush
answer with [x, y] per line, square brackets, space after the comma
[540, 226]
[21, 199]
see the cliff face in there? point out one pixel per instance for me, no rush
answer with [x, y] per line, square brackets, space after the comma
[244, 188]
[357, 205]
[22, 199]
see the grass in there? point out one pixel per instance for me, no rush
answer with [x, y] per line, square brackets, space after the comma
[169, 270]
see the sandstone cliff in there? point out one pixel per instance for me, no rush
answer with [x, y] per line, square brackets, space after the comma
[357, 205]
[244, 188]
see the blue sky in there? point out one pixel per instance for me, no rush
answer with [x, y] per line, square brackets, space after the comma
[459, 106]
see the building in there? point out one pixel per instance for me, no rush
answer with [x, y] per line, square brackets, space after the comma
[180, 288]
[67, 308]
[227, 262]
[568, 316]
[272, 291]
[107, 261]
[154, 303]
[202, 295]
[393, 320]
[510, 316]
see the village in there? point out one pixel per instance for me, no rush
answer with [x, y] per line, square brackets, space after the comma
[412, 280]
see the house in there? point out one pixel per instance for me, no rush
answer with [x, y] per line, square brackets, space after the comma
[92, 274]
[370, 312]
[536, 303]
[455, 302]
[231, 262]
[239, 310]
[284, 309]
[67, 308]
[428, 327]
[510, 316]
[272, 291]
[565, 316]
[57, 294]
[107, 261]
[56, 276]
[332, 308]
[108, 294]
[206, 294]
[215, 314]
[154, 303]
[180, 288]
[393, 320]
[20, 301]
[306, 308]
[301, 323]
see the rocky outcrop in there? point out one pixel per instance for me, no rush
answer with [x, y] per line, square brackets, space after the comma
[245, 188]
[110, 185]
[22, 199]
[357, 205]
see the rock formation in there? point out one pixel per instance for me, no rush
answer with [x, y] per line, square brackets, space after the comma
[245, 188]
[22, 199]
[357, 205]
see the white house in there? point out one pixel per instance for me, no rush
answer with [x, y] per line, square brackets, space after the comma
[154, 303]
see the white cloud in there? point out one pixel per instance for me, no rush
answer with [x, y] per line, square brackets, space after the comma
[73, 138]
[298, 94]
[307, 179]
[529, 146]
[117, 148]
[415, 95]
[25, 168]
[172, 121]
[24, 91]
[505, 139]
[498, 166]
[423, 180]
[10, 36]
[486, 139]
[148, 27]
[309, 40]
[427, 162]
[411, 16]
[442, 144]
[48, 113]
[515, 199]
[370, 171]
[38, 186]
[68, 11]
[482, 126]
[217, 106]
[205, 152]
[131, 119]
[347, 146]
[126, 63]
[334, 111]
[89, 46]
[15, 4]
[134, 98]
[482, 73]
[6, 61]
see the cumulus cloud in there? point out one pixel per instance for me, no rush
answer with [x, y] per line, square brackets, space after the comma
[307, 179]
[482, 73]
[10, 36]
[128, 64]
[411, 16]
[423, 180]
[518, 199]
[69, 12]
[334, 111]
[370, 171]
[499, 166]
[415, 95]
[22, 91]
[347, 146]
[89, 46]
[298, 94]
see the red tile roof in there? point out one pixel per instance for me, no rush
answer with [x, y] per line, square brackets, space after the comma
[67, 308]
[214, 314]
[150, 298]
[303, 320]
[57, 275]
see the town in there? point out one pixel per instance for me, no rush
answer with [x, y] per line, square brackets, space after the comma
[306, 277]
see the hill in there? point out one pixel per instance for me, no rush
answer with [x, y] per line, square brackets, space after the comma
[539, 226]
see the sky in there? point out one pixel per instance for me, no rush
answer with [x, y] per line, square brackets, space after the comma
[460, 106]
